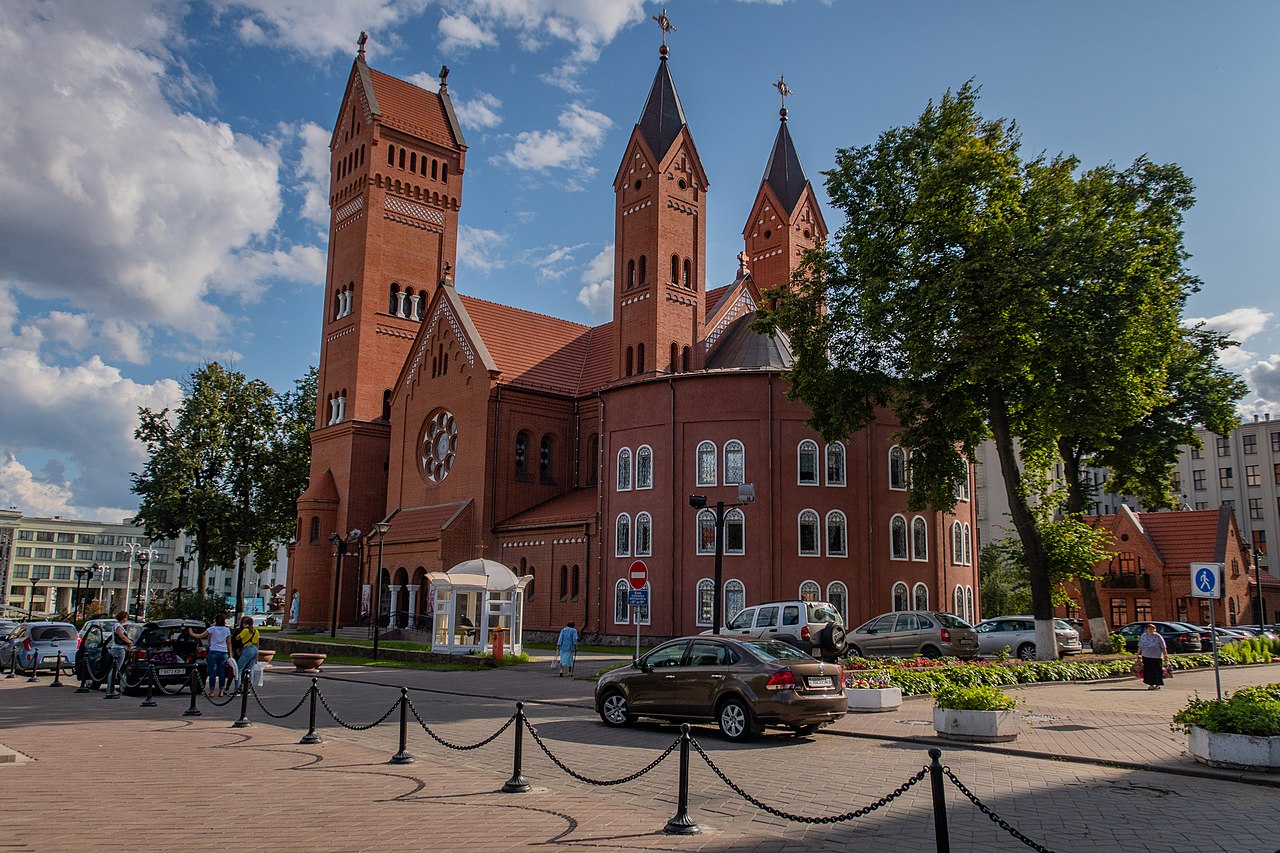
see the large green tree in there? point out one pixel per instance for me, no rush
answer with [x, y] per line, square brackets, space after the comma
[962, 292]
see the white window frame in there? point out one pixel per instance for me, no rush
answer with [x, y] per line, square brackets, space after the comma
[816, 588]
[906, 537]
[906, 597]
[817, 533]
[957, 543]
[924, 525]
[620, 469]
[737, 515]
[844, 522]
[705, 586]
[915, 596]
[800, 451]
[844, 596]
[703, 447]
[741, 450]
[727, 592]
[844, 465]
[620, 598]
[623, 519]
[644, 450]
[957, 601]
[906, 475]
[970, 612]
[962, 488]
[647, 550]
[968, 544]
[698, 547]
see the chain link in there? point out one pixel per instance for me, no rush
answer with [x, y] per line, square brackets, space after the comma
[216, 703]
[346, 725]
[587, 779]
[288, 713]
[862, 812]
[999, 821]
[490, 739]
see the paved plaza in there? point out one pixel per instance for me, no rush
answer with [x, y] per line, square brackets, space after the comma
[106, 774]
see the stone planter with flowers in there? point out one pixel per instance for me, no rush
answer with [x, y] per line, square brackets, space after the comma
[981, 714]
[1241, 731]
[871, 694]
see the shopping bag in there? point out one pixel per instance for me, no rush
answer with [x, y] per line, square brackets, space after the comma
[256, 673]
[1168, 671]
[1136, 669]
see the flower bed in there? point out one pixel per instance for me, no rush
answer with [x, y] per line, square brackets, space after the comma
[1241, 731]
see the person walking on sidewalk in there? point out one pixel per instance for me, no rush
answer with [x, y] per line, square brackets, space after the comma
[247, 639]
[566, 647]
[120, 644]
[1154, 652]
[216, 658]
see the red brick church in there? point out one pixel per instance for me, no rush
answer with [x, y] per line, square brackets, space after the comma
[564, 451]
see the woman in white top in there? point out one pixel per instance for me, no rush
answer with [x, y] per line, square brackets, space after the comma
[216, 660]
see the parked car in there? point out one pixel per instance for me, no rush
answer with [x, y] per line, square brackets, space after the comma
[814, 627]
[39, 644]
[106, 625]
[269, 620]
[164, 644]
[912, 633]
[93, 658]
[743, 685]
[1018, 633]
[1177, 637]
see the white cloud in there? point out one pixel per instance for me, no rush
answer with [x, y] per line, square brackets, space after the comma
[551, 263]
[1239, 324]
[581, 133]
[597, 291]
[1264, 378]
[479, 112]
[458, 34]
[319, 28]
[312, 170]
[477, 249]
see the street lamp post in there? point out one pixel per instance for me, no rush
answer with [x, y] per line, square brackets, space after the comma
[85, 575]
[184, 563]
[339, 551]
[746, 495]
[31, 602]
[242, 551]
[1262, 601]
[381, 528]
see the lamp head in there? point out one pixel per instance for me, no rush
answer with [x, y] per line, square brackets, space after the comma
[381, 527]
[697, 501]
[746, 493]
[143, 558]
[333, 537]
[354, 535]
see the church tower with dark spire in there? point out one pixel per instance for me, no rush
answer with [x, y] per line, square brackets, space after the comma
[785, 220]
[660, 237]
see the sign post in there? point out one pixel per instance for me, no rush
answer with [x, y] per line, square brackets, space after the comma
[1206, 582]
[638, 595]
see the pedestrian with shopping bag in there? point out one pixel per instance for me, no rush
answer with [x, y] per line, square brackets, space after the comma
[566, 649]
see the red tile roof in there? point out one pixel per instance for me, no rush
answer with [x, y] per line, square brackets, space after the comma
[714, 296]
[423, 522]
[411, 109]
[1184, 537]
[576, 507]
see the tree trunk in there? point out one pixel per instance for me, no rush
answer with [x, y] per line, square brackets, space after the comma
[1099, 635]
[1024, 523]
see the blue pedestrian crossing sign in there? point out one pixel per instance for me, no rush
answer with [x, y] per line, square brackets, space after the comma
[1206, 580]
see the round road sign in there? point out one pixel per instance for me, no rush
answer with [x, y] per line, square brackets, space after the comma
[638, 575]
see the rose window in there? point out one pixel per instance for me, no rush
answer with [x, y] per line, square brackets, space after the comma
[439, 446]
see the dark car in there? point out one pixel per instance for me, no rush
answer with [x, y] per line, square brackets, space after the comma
[164, 644]
[1178, 638]
[743, 685]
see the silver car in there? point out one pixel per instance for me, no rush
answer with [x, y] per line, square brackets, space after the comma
[1018, 634]
[914, 633]
[38, 644]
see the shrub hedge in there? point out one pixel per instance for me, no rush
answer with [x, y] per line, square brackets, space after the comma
[1248, 711]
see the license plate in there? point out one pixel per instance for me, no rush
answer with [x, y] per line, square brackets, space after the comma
[821, 681]
[53, 659]
[168, 672]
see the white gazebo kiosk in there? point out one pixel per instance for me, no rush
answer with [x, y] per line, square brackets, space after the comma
[473, 599]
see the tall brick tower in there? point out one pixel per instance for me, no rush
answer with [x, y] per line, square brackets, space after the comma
[785, 219]
[660, 238]
[396, 168]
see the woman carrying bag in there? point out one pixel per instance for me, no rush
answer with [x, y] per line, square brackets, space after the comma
[1154, 653]
[247, 638]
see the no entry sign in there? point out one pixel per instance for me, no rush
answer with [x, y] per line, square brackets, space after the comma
[638, 575]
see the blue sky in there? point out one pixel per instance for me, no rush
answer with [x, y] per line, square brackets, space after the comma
[164, 165]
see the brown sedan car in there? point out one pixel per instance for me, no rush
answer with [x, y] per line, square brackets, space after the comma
[743, 685]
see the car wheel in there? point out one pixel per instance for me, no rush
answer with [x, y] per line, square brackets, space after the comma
[131, 680]
[831, 638]
[931, 652]
[854, 651]
[736, 721]
[615, 710]
[804, 731]
[1027, 651]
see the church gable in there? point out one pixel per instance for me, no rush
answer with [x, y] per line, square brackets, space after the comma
[638, 164]
[682, 160]
[740, 300]
[446, 329]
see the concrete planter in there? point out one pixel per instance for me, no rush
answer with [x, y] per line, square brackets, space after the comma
[978, 726]
[871, 700]
[265, 655]
[304, 662]
[1241, 752]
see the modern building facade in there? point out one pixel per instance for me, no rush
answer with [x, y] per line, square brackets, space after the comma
[569, 452]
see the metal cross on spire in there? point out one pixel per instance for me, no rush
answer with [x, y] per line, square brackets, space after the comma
[665, 24]
[783, 91]
[364, 37]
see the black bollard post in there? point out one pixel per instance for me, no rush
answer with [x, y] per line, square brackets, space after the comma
[682, 823]
[517, 784]
[940, 833]
[35, 666]
[193, 711]
[403, 756]
[311, 736]
[243, 722]
[150, 700]
[84, 681]
[111, 681]
[57, 671]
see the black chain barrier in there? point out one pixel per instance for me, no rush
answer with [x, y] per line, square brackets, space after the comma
[288, 713]
[459, 747]
[602, 783]
[853, 815]
[215, 702]
[354, 728]
[995, 818]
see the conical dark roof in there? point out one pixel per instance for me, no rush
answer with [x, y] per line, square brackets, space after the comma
[741, 347]
[784, 174]
[662, 117]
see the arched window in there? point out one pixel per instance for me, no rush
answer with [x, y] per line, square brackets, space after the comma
[898, 538]
[386, 405]
[734, 463]
[640, 358]
[957, 603]
[706, 464]
[401, 158]
[897, 468]
[684, 360]
[970, 615]
[545, 471]
[957, 543]
[315, 530]
[688, 274]
[734, 532]
[393, 307]
[644, 535]
[962, 487]
[675, 269]
[810, 591]
[837, 540]
[593, 458]
[630, 360]
[706, 531]
[631, 273]
[576, 573]
[704, 602]
[807, 471]
[1231, 611]
[391, 155]
[919, 539]
[735, 598]
[674, 365]
[835, 464]
[564, 583]
[621, 613]
[622, 536]
[838, 597]
[522, 456]
[434, 173]
[444, 171]
[413, 162]
[901, 597]
[968, 545]
[808, 533]
[920, 596]
[528, 590]
[644, 277]
[644, 467]
[624, 469]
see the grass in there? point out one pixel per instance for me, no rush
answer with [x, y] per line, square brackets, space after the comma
[403, 645]
[356, 660]
[603, 650]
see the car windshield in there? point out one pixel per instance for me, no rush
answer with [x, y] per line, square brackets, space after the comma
[53, 632]
[823, 613]
[156, 635]
[1061, 625]
[949, 621]
[773, 650]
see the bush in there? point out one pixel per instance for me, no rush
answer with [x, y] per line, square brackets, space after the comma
[188, 605]
[1248, 711]
[1117, 644]
[980, 698]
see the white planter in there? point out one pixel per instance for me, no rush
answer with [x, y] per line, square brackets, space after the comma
[979, 726]
[873, 699]
[1242, 752]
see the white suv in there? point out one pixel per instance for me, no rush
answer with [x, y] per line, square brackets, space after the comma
[813, 627]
